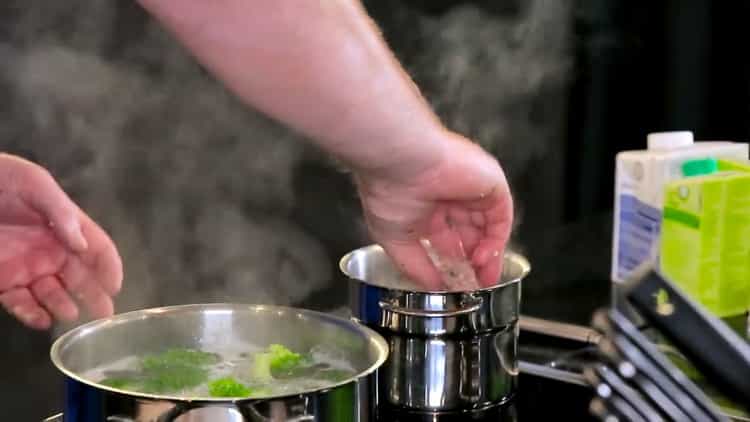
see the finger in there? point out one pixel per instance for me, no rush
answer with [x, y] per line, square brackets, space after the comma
[102, 261]
[470, 236]
[52, 296]
[411, 259]
[87, 291]
[489, 274]
[39, 189]
[477, 218]
[21, 304]
[488, 256]
[20, 264]
[497, 228]
[462, 222]
[444, 239]
[458, 215]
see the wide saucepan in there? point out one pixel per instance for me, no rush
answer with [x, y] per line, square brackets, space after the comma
[214, 327]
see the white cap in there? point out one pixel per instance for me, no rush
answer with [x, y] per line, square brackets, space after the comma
[669, 140]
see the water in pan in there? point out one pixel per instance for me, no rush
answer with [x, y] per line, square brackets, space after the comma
[243, 371]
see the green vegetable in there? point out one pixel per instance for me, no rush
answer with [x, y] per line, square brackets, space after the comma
[173, 379]
[275, 361]
[283, 359]
[175, 370]
[228, 387]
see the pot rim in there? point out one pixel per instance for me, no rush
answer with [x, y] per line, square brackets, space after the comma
[516, 257]
[380, 344]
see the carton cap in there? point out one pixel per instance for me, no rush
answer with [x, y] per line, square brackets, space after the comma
[660, 141]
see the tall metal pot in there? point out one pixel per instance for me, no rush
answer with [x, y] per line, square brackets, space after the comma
[449, 351]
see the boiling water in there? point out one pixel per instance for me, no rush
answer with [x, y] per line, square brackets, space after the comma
[237, 363]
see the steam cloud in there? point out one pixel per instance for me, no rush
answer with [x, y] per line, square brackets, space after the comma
[494, 79]
[194, 188]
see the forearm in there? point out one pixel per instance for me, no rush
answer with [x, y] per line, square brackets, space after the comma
[320, 67]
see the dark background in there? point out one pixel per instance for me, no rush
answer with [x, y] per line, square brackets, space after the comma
[610, 73]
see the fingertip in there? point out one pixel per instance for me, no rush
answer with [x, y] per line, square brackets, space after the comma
[68, 229]
[34, 317]
[85, 289]
[42, 323]
[101, 306]
[117, 274]
[69, 314]
[108, 265]
[21, 304]
[489, 274]
[76, 239]
[483, 253]
[108, 309]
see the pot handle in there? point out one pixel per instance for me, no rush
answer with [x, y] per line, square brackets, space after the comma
[471, 307]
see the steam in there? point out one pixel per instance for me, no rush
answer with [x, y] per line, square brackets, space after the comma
[194, 188]
[492, 79]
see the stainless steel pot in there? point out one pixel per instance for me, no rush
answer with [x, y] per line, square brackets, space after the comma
[214, 327]
[449, 351]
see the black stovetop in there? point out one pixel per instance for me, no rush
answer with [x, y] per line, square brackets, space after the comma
[538, 399]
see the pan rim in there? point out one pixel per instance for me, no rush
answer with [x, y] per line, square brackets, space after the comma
[377, 341]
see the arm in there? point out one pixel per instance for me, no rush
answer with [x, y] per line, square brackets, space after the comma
[320, 67]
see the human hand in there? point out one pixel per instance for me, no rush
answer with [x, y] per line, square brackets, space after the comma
[51, 251]
[459, 200]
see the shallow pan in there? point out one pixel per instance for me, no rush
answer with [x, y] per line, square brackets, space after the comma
[214, 328]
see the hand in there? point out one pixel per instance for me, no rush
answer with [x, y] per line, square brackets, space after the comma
[51, 251]
[459, 201]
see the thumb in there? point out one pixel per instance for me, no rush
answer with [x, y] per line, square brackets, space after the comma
[60, 211]
[67, 226]
[37, 188]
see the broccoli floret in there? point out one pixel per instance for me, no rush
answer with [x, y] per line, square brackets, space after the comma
[173, 379]
[275, 361]
[175, 370]
[228, 387]
[283, 359]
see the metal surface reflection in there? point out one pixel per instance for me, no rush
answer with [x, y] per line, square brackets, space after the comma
[449, 351]
[440, 375]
